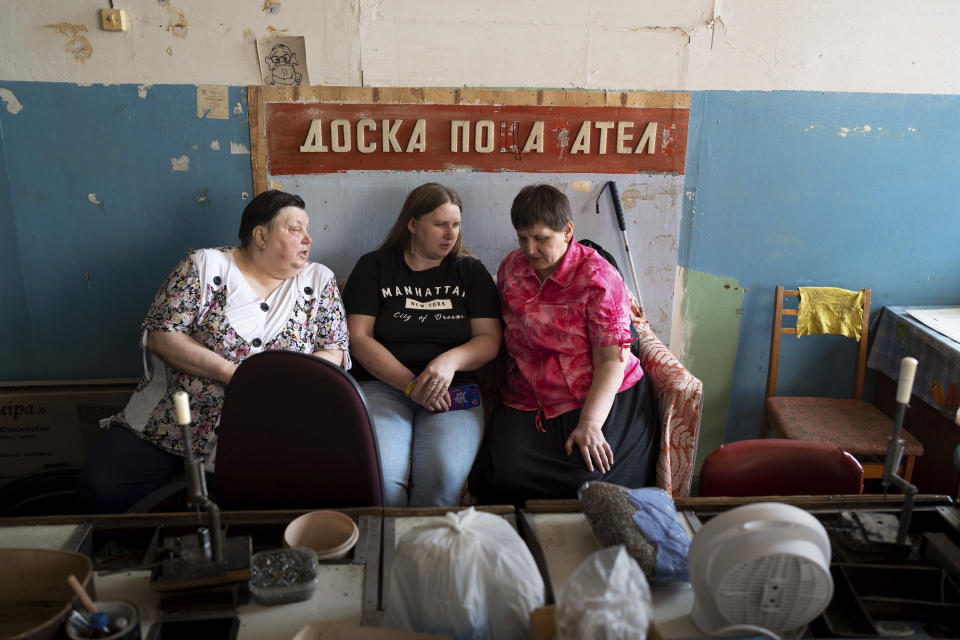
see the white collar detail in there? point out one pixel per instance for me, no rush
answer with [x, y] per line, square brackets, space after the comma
[245, 310]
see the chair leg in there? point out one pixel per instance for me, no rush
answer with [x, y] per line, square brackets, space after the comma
[765, 426]
[908, 468]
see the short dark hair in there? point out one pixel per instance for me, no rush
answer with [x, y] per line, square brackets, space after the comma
[263, 209]
[540, 204]
[421, 201]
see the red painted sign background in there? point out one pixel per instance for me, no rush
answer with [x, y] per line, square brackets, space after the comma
[288, 125]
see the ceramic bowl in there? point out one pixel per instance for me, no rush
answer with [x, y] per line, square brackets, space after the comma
[330, 534]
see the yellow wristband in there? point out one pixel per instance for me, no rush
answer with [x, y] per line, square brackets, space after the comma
[409, 388]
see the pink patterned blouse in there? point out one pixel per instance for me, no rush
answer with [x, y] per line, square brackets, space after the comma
[550, 330]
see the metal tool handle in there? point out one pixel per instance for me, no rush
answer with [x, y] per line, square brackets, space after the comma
[617, 205]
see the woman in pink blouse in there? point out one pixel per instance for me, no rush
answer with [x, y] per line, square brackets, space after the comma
[576, 406]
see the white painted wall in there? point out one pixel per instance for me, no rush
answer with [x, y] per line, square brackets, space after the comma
[829, 45]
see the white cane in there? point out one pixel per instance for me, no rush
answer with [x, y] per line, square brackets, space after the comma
[618, 209]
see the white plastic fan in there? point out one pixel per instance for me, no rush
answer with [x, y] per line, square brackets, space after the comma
[764, 564]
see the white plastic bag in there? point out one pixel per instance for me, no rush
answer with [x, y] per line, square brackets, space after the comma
[606, 598]
[471, 577]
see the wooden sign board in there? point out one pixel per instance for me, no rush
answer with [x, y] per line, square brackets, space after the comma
[315, 130]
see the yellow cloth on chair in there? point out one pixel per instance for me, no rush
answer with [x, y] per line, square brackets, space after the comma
[830, 310]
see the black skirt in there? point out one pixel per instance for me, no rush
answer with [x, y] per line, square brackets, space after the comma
[518, 462]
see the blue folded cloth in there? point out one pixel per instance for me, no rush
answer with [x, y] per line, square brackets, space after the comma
[657, 518]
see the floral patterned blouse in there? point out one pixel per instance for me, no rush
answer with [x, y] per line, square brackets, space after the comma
[550, 329]
[207, 298]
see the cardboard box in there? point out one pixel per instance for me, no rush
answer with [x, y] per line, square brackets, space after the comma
[543, 625]
[51, 424]
[338, 631]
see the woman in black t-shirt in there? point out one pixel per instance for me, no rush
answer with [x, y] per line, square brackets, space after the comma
[423, 314]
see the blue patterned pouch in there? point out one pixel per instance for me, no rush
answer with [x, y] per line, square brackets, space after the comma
[464, 397]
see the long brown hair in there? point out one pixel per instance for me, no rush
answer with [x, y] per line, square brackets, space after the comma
[419, 203]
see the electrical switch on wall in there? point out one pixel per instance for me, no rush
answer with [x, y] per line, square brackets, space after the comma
[113, 20]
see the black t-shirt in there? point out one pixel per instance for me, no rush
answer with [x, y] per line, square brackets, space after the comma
[419, 314]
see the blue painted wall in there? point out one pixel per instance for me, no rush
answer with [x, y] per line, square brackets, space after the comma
[775, 195]
[809, 188]
[17, 350]
[80, 276]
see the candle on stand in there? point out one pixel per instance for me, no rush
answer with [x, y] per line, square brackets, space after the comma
[181, 403]
[908, 369]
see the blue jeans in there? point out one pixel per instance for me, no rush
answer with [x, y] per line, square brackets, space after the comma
[425, 457]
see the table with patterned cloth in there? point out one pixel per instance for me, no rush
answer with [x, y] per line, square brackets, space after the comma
[896, 334]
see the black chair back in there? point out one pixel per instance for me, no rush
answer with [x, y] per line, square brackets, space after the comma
[295, 433]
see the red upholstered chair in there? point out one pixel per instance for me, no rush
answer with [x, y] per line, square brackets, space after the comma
[774, 467]
[295, 433]
[855, 426]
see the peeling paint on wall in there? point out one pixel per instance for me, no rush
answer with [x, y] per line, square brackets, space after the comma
[856, 131]
[631, 196]
[202, 197]
[78, 46]
[582, 185]
[169, 51]
[92, 197]
[13, 105]
[249, 36]
[238, 109]
[276, 184]
[238, 148]
[177, 23]
[271, 7]
[244, 195]
[215, 145]
[273, 31]
[142, 90]
[180, 164]
[669, 239]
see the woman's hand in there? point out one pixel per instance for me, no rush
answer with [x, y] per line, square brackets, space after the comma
[431, 386]
[596, 451]
[608, 369]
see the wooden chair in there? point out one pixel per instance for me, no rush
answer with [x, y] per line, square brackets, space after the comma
[775, 467]
[855, 426]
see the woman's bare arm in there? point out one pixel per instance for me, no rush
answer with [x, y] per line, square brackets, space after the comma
[184, 353]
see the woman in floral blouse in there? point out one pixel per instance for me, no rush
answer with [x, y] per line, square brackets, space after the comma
[218, 307]
[576, 406]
